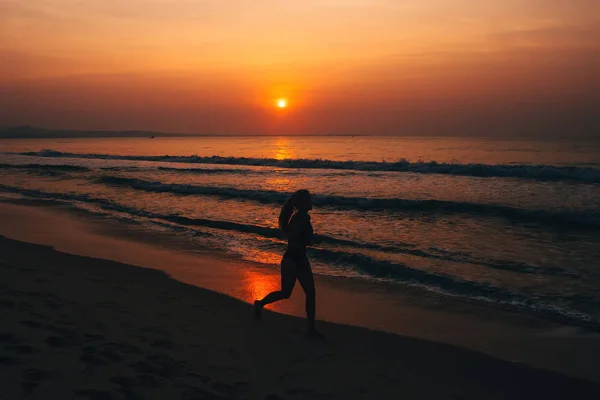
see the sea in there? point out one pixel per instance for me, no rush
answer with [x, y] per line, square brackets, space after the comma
[513, 223]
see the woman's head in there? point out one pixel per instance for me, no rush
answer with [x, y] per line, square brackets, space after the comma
[302, 200]
[299, 200]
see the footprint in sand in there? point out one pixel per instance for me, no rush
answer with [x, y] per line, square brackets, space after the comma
[126, 385]
[94, 394]
[326, 355]
[242, 385]
[57, 341]
[33, 376]
[159, 364]
[8, 360]
[69, 334]
[8, 338]
[93, 359]
[231, 390]
[147, 368]
[148, 381]
[21, 349]
[226, 369]
[7, 304]
[162, 343]
[155, 329]
[124, 380]
[101, 355]
[65, 322]
[124, 347]
[192, 392]
[25, 306]
[111, 354]
[139, 338]
[31, 324]
[110, 305]
[53, 305]
[200, 377]
[299, 390]
[273, 397]
[94, 336]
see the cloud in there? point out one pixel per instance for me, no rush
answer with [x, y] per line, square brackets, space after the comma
[570, 36]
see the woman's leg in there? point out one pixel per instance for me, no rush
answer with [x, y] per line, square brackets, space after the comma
[288, 280]
[306, 279]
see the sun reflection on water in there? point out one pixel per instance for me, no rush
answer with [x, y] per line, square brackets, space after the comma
[258, 285]
[282, 149]
[263, 257]
[279, 184]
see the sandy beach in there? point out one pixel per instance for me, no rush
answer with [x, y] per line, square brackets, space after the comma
[81, 327]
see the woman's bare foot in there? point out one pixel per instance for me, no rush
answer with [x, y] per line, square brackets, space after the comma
[313, 333]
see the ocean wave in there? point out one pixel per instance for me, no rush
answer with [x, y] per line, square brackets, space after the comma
[274, 233]
[388, 269]
[581, 219]
[212, 171]
[542, 172]
[368, 266]
[45, 167]
[500, 296]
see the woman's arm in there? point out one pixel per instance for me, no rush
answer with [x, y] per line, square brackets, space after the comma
[308, 233]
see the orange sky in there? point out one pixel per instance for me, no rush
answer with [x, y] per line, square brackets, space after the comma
[347, 67]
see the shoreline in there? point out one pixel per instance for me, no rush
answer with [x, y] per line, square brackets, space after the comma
[79, 327]
[101, 227]
[502, 334]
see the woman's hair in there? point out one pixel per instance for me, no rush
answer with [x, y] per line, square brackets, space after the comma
[299, 200]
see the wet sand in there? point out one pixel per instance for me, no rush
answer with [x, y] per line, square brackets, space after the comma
[81, 327]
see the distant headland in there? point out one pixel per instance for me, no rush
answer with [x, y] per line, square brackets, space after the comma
[30, 132]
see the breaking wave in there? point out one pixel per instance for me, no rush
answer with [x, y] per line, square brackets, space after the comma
[274, 233]
[542, 172]
[582, 219]
[45, 167]
[365, 264]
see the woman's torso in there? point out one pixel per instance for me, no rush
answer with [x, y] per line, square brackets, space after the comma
[300, 234]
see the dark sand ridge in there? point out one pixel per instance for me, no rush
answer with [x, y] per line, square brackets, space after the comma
[205, 330]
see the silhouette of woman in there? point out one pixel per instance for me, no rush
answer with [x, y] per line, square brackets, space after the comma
[294, 223]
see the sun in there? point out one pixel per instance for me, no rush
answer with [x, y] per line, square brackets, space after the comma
[282, 103]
